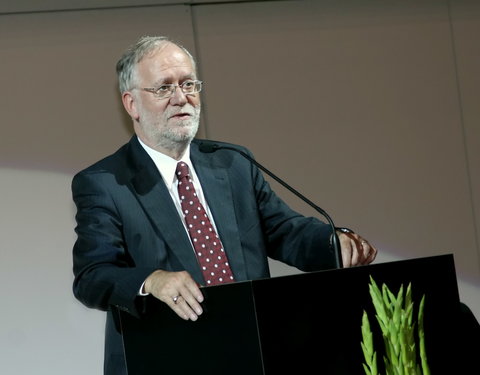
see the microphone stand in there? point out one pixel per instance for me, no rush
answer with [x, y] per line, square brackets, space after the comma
[212, 147]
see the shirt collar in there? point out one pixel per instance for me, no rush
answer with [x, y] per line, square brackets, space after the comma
[165, 164]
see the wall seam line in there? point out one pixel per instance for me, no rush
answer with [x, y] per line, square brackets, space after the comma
[464, 135]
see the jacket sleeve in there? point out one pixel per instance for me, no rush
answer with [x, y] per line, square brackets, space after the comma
[105, 274]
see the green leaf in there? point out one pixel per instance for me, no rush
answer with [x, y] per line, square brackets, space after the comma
[395, 316]
[367, 371]
[421, 335]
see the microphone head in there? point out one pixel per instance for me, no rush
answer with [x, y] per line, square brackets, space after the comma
[208, 146]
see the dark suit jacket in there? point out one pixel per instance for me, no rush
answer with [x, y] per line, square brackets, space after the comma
[127, 227]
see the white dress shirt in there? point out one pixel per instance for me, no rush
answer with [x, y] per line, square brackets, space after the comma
[167, 167]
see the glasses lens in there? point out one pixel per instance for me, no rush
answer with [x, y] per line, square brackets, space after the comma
[167, 90]
[191, 87]
[198, 86]
[164, 91]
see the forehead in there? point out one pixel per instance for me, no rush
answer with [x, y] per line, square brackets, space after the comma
[166, 62]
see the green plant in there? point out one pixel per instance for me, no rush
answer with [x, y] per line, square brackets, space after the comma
[395, 316]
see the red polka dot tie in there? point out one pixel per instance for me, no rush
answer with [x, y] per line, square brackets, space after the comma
[208, 247]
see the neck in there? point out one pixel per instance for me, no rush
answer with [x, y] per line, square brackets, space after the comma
[173, 149]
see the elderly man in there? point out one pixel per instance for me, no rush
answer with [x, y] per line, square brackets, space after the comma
[160, 217]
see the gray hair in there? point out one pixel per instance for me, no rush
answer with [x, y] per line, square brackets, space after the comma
[136, 52]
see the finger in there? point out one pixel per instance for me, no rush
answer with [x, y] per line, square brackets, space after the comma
[371, 255]
[174, 289]
[189, 295]
[354, 248]
[356, 251]
[180, 306]
[194, 290]
[362, 249]
[184, 310]
[189, 298]
[366, 251]
[346, 249]
[174, 302]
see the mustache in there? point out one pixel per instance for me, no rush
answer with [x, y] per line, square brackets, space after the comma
[187, 109]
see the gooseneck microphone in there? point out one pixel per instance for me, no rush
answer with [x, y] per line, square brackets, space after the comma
[210, 146]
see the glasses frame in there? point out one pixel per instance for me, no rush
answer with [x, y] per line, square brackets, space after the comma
[173, 88]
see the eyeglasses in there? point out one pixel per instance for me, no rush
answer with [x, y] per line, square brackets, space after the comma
[168, 89]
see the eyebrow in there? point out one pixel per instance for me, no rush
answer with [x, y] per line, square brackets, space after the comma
[167, 80]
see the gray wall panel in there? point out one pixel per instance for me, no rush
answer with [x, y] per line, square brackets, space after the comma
[357, 105]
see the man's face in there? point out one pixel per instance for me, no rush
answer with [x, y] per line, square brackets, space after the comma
[164, 123]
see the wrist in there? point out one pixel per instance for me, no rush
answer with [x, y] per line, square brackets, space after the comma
[343, 230]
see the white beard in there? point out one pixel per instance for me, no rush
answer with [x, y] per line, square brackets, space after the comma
[186, 130]
[172, 134]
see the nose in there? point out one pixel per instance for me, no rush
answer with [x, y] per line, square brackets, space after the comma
[178, 97]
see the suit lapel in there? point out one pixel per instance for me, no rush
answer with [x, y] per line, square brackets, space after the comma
[153, 195]
[218, 193]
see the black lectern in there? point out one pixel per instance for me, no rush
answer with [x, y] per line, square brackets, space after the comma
[302, 324]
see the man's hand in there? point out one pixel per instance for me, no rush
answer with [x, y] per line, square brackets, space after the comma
[356, 251]
[178, 290]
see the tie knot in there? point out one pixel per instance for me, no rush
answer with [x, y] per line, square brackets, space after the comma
[182, 170]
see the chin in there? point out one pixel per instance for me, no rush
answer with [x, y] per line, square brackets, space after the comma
[181, 137]
[187, 132]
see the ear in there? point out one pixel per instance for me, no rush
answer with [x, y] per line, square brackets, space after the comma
[130, 106]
